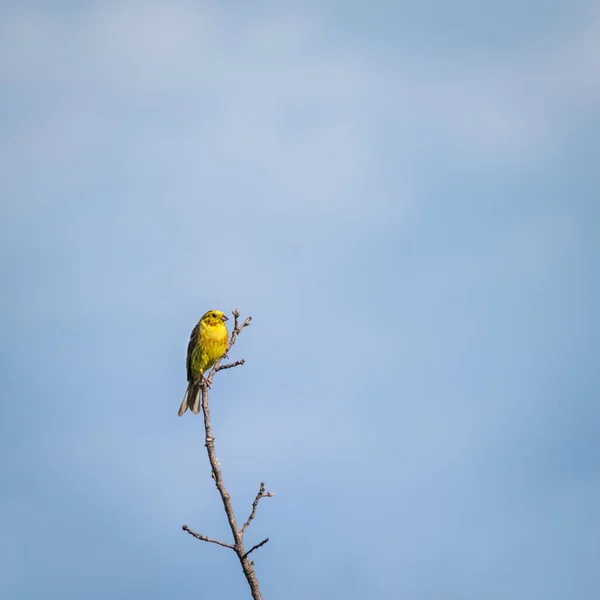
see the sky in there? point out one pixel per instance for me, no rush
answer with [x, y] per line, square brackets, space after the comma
[405, 198]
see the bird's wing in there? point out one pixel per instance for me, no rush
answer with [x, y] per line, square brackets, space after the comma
[193, 343]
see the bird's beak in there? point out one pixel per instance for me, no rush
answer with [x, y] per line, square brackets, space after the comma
[225, 318]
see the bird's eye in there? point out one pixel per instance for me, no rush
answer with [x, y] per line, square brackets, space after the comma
[214, 315]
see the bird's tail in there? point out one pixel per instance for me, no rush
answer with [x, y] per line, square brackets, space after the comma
[191, 399]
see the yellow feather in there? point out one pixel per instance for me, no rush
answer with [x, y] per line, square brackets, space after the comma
[208, 342]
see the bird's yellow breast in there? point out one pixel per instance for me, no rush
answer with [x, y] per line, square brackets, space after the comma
[212, 343]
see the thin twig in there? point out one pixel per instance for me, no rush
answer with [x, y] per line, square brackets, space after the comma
[237, 363]
[204, 538]
[261, 494]
[256, 546]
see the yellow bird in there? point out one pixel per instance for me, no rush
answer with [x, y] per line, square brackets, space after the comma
[208, 342]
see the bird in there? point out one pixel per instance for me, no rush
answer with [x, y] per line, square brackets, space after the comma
[208, 342]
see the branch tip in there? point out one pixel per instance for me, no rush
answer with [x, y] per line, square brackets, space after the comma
[237, 363]
[256, 547]
[204, 538]
[261, 494]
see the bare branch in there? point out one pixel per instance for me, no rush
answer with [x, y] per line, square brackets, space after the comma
[261, 494]
[209, 442]
[199, 536]
[256, 547]
[237, 363]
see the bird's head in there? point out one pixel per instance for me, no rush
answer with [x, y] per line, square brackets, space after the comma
[214, 317]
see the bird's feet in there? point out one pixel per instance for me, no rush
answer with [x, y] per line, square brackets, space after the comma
[205, 381]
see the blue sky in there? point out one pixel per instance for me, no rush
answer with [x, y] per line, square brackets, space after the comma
[404, 196]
